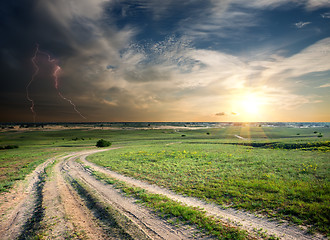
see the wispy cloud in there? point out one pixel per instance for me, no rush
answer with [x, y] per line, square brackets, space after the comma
[311, 59]
[325, 15]
[218, 21]
[308, 4]
[212, 77]
[301, 24]
[315, 4]
[325, 85]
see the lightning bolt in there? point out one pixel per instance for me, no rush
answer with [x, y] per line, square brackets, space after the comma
[33, 60]
[55, 74]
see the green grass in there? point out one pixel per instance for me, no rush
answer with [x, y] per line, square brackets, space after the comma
[170, 209]
[289, 184]
[34, 147]
[15, 164]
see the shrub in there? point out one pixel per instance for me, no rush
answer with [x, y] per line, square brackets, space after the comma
[8, 147]
[103, 143]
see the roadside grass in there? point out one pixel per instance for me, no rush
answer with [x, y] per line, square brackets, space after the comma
[284, 184]
[15, 164]
[322, 146]
[175, 212]
[34, 147]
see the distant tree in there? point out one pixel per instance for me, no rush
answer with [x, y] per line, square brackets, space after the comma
[103, 143]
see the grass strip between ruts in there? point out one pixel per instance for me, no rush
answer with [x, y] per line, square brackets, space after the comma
[168, 208]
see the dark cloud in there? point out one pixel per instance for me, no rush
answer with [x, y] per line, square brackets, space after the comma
[68, 35]
[23, 25]
[133, 60]
[220, 114]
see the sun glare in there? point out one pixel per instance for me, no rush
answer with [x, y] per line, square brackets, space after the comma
[248, 106]
[251, 104]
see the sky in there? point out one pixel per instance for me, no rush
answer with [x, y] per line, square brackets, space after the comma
[156, 60]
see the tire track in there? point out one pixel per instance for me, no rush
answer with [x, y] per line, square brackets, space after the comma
[66, 215]
[148, 222]
[21, 210]
[39, 206]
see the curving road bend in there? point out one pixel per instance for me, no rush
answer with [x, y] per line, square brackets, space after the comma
[61, 200]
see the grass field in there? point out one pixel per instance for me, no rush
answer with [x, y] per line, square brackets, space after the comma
[278, 171]
[288, 179]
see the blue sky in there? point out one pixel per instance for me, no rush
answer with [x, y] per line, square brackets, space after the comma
[139, 60]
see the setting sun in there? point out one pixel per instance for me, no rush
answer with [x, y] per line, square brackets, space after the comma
[251, 104]
[248, 106]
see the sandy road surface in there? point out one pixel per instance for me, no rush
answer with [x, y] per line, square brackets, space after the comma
[17, 206]
[61, 200]
[240, 137]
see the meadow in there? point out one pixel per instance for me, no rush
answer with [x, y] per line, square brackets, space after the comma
[277, 171]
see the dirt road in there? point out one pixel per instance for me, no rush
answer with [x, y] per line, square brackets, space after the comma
[241, 137]
[61, 200]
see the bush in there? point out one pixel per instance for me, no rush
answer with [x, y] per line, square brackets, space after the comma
[103, 143]
[8, 147]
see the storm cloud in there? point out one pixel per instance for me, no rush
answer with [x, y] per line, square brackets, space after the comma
[160, 61]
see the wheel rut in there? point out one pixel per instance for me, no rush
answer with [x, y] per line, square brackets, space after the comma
[66, 215]
[61, 200]
[20, 209]
[147, 221]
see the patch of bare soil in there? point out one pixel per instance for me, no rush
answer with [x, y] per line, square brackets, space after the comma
[245, 220]
[241, 137]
